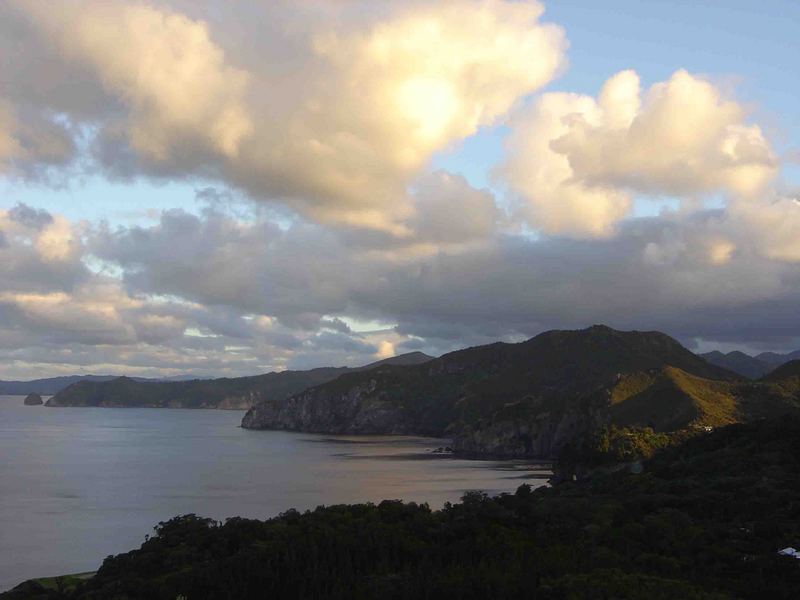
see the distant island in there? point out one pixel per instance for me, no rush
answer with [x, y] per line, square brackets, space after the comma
[224, 393]
[559, 392]
[33, 400]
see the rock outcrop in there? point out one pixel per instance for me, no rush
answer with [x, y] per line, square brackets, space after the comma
[356, 409]
[33, 400]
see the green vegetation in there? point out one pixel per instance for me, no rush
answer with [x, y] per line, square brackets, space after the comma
[703, 520]
[621, 444]
[670, 399]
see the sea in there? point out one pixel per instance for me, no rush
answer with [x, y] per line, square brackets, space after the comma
[80, 484]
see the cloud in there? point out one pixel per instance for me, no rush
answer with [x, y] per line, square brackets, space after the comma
[337, 128]
[220, 261]
[655, 270]
[9, 145]
[161, 66]
[29, 217]
[554, 201]
[217, 294]
[329, 114]
[578, 161]
[80, 317]
[31, 145]
[54, 239]
[451, 212]
[772, 225]
[41, 252]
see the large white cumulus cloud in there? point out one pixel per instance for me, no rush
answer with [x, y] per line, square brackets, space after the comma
[160, 65]
[338, 129]
[577, 161]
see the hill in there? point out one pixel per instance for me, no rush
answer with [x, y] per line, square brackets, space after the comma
[52, 385]
[669, 399]
[226, 393]
[702, 521]
[789, 371]
[739, 362]
[776, 359]
[526, 399]
[752, 367]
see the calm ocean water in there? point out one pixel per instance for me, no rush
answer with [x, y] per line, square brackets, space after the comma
[78, 484]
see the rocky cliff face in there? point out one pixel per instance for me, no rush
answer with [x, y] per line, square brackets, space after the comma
[366, 407]
[357, 409]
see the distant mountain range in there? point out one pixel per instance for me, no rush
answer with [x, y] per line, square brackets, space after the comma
[52, 385]
[752, 367]
[537, 397]
[223, 393]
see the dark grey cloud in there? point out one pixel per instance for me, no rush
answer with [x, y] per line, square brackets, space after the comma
[656, 273]
[218, 293]
[30, 217]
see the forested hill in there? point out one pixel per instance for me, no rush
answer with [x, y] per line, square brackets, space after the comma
[231, 393]
[702, 521]
[532, 398]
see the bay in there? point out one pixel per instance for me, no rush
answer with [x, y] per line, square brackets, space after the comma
[79, 484]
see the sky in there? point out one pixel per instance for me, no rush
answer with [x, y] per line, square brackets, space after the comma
[215, 188]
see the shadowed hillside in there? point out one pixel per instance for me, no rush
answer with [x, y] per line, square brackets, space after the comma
[789, 373]
[526, 399]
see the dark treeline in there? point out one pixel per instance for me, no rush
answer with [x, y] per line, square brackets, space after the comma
[704, 520]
